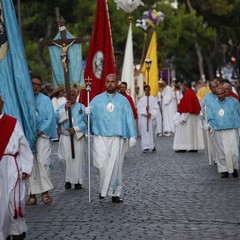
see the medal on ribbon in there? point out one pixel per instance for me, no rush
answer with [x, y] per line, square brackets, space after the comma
[110, 107]
[221, 112]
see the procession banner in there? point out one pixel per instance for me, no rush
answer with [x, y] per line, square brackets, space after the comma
[75, 64]
[15, 82]
[153, 72]
[100, 59]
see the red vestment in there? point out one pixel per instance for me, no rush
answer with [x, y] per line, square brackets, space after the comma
[129, 98]
[189, 103]
[7, 125]
[235, 96]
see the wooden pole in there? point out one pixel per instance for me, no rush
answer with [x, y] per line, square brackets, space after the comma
[63, 41]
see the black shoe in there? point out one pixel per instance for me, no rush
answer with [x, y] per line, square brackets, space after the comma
[78, 186]
[17, 237]
[100, 196]
[235, 173]
[117, 200]
[145, 150]
[224, 174]
[180, 151]
[193, 151]
[154, 150]
[68, 185]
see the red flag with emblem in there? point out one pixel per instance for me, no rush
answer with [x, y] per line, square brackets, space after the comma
[100, 59]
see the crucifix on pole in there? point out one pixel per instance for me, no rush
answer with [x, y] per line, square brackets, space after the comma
[65, 43]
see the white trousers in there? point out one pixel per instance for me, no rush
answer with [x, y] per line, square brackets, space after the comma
[108, 156]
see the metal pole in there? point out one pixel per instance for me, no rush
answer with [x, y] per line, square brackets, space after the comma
[88, 89]
[208, 137]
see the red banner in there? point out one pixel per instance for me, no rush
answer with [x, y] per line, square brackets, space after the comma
[100, 59]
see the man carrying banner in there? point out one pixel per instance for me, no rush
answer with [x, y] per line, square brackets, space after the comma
[16, 162]
[73, 168]
[112, 123]
[46, 129]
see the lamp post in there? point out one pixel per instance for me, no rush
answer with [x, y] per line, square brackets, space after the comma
[148, 63]
[144, 26]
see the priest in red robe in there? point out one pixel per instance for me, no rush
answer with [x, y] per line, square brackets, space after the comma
[188, 135]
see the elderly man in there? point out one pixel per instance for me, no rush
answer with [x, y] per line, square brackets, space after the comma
[112, 123]
[224, 122]
[73, 168]
[16, 162]
[229, 93]
[46, 129]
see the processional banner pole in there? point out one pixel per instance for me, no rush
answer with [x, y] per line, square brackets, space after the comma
[88, 89]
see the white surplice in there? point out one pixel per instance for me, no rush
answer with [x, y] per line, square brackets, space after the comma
[227, 149]
[188, 135]
[40, 180]
[108, 156]
[148, 127]
[8, 179]
[73, 169]
[167, 105]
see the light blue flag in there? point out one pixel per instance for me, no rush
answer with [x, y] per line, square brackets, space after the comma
[15, 82]
[75, 65]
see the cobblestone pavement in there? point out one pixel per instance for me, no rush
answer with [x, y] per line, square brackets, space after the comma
[167, 195]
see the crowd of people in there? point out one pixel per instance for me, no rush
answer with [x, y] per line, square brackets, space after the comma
[185, 111]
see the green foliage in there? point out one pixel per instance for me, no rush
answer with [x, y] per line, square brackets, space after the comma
[209, 24]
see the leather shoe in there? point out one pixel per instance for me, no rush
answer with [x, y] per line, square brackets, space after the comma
[68, 185]
[78, 186]
[193, 151]
[100, 196]
[117, 200]
[181, 151]
[145, 150]
[224, 174]
[17, 237]
[235, 173]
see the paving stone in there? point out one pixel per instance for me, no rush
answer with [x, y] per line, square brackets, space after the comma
[167, 195]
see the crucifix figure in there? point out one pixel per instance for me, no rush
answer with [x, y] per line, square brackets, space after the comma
[64, 53]
[65, 43]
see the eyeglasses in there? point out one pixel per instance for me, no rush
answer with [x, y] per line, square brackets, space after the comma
[37, 84]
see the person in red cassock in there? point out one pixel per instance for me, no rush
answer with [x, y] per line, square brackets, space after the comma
[16, 162]
[188, 135]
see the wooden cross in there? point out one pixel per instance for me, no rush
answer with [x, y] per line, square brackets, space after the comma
[65, 43]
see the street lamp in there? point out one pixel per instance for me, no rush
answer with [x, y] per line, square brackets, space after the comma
[144, 26]
[148, 63]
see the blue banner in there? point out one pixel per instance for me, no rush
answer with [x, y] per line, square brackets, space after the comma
[15, 82]
[73, 58]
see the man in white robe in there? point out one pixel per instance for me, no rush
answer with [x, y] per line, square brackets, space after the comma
[148, 111]
[39, 182]
[112, 123]
[188, 135]
[16, 162]
[165, 98]
[58, 99]
[73, 168]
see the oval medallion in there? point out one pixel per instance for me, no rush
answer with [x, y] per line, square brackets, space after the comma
[221, 112]
[110, 107]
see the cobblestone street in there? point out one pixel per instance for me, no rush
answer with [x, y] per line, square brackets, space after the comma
[167, 195]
